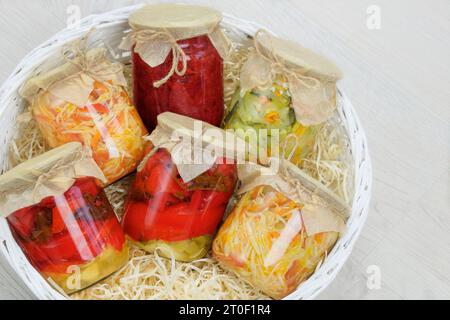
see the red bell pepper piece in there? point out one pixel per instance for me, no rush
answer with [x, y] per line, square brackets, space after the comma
[58, 224]
[22, 221]
[134, 219]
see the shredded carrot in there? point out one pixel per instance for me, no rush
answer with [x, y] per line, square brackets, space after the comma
[272, 117]
[108, 124]
[251, 236]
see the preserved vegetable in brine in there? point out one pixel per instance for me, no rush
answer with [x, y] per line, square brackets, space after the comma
[177, 54]
[73, 235]
[198, 93]
[287, 90]
[271, 109]
[73, 238]
[176, 203]
[179, 218]
[91, 107]
[279, 231]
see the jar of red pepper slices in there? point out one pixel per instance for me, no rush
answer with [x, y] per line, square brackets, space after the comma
[177, 54]
[175, 204]
[61, 218]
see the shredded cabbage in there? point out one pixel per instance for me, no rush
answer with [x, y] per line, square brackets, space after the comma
[109, 125]
[263, 242]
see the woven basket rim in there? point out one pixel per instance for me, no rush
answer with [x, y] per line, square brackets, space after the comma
[363, 167]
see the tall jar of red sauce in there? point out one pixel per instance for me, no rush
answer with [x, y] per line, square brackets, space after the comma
[175, 208]
[177, 54]
[61, 218]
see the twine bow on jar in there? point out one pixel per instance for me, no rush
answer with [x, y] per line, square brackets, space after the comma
[74, 80]
[27, 184]
[154, 46]
[313, 97]
[321, 210]
[187, 150]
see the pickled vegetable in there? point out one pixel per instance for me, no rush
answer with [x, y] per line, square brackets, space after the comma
[264, 240]
[109, 124]
[75, 239]
[181, 218]
[197, 94]
[270, 109]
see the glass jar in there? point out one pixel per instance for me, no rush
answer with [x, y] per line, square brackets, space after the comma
[280, 229]
[269, 109]
[180, 219]
[74, 239]
[287, 91]
[177, 54]
[264, 241]
[197, 94]
[109, 124]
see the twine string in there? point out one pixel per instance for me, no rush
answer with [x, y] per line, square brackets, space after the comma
[75, 53]
[309, 197]
[56, 170]
[279, 66]
[178, 54]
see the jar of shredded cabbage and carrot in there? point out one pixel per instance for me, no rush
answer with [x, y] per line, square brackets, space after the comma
[175, 205]
[287, 91]
[280, 229]
[61, 218]
[85, 100]
[177, 54]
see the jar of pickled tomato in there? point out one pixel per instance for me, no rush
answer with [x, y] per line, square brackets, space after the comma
[178, 217]
[275, 238]
[71, 106]
[73, 238]
[177, 54]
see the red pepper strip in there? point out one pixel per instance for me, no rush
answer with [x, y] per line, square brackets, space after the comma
[94, 236]
[101, 108]
[105, 232]
[59, 248]
[226, 168]
[48, 202]
[87, 185]
[57, 221]
[22, 221]
[172, 224]
[134, 218]
[208, 221]
[161, 180]
[197, 199]
[214, 199]
[161, 156]
[114, 234]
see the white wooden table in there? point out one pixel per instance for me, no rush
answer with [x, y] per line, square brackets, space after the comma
[398, 78]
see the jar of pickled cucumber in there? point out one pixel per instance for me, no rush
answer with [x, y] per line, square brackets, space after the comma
[177, 54]
[287, 91]
[61, 218]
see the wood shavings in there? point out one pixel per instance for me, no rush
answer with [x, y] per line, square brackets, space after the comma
[232, 69]
[28, 142]
[330, 161]
[151, 277]
[117, 193]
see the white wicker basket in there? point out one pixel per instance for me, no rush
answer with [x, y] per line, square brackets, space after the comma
[110, 27]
